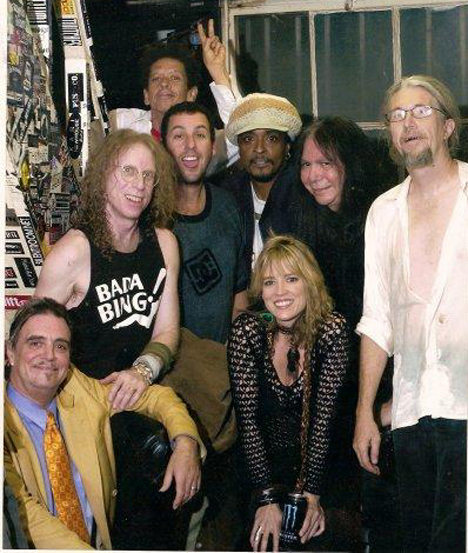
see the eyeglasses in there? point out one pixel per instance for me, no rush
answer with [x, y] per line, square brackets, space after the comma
[418, 112]
[129, 174]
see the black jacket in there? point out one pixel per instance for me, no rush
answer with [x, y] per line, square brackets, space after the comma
[277, 212]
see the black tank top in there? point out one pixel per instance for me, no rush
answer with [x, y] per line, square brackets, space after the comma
[115, 320]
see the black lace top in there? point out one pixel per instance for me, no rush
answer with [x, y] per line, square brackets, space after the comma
[269, 413]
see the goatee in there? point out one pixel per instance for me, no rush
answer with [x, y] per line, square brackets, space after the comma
[418, 161]
[412, 161]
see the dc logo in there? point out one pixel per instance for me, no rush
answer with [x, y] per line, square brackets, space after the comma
[203, 271]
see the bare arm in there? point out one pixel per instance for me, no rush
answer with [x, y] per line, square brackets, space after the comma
[167, 324]
[366, 435]
[241, 303]
[184, 469]
[66, 271]
[128, 385]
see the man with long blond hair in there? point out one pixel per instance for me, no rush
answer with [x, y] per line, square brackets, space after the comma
[415, 308]
[116, 272]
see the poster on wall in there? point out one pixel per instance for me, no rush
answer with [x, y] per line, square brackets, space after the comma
[44, 162]
[23, 254]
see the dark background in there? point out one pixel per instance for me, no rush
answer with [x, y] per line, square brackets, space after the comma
[121, 29]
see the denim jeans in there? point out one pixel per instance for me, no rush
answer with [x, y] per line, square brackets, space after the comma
[431, 476]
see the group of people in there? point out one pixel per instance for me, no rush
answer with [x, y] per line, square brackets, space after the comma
[274, 258]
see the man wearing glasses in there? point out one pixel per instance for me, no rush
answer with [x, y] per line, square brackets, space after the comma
[116, 271]
[415, 308]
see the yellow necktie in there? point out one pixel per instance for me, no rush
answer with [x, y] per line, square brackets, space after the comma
[61, 480]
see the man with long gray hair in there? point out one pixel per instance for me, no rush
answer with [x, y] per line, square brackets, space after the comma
[415, 308]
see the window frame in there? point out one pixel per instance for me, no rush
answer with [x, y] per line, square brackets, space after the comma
[231, 9]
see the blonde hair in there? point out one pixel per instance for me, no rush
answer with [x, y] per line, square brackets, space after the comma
[286, 251]
[441, 94]
[92, 207]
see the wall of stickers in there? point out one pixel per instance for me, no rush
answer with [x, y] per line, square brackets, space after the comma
[46, 151]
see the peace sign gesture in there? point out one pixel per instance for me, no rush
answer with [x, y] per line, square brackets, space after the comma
[214, 54]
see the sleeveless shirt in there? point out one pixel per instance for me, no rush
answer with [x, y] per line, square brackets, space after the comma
[115, 319]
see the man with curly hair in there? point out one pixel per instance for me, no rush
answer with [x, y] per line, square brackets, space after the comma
[116, 271]
[169, 75]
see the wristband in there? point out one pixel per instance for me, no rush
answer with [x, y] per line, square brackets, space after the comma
[269, 496]
[160, 350]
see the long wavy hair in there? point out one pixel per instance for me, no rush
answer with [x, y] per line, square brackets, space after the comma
[91, 213]
[291, 255]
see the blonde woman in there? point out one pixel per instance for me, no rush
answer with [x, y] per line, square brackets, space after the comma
[287, 367]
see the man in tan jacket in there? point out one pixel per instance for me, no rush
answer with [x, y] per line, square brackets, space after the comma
[41, 382]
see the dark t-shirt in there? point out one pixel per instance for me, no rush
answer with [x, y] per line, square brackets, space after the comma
[115, 320]
[213, 265]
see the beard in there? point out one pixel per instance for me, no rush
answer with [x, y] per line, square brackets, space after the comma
[264, 177]
[417, 161]
[190, 179]
[413, 161]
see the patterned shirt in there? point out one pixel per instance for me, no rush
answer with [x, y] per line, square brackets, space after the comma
[269, 412]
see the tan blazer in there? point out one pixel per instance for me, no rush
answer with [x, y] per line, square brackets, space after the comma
[84, 415]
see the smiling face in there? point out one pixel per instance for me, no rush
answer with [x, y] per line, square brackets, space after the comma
[127, 200]
[284, 294]
[419, 142]
[167, 86]
[41, 357]
[322, 176]
[189, 142]
[262, 153]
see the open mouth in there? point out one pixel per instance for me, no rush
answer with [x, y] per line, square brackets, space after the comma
[190, 161]
[281, 304]
[408, 139]
[320, 190]
[261, 162]
[134, 199]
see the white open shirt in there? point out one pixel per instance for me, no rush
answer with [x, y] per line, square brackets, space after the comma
[428, 338]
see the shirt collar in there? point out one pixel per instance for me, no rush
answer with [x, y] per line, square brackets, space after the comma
[29, 409]
[400, 192]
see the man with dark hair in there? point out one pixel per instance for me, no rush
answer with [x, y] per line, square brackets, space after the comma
[213, 279]
[262, 126]
[169, 76]
[415, 308]
[208, 226]
[59, 458]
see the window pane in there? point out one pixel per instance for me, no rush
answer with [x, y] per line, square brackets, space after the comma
[435, 42]
[354, 63]
[274, 57]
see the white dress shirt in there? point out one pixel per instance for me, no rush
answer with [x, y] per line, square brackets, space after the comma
[428, 338]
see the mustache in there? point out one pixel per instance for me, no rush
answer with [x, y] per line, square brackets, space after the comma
[261, 158]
